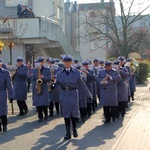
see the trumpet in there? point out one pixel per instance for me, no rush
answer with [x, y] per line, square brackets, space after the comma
[39, 82]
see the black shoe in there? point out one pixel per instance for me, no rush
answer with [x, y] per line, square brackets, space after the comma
[75, 133]
[67, 137]
[107, 121]
[21, 114]
[51, 115]
[46, 118]
[26, 111]
[132, 98]
[4, 128]
[41, 120]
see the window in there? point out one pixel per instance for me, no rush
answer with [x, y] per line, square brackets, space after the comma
[14, 3]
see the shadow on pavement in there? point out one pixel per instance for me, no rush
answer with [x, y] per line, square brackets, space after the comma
[21, 130]
[53, 139]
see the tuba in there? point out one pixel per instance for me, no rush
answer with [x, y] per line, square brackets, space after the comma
[39, 82]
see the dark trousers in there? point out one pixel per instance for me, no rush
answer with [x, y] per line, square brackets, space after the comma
[83, 113]
[73, 120]
[3, 120]
[22, 106]
[28, 83]
[51, 107]
[42, 110]
[121, 108]
[110, 111]
[132, 95]
[89, 109]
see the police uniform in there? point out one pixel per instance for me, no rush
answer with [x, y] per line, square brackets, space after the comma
[122, 90]
[132, 81]
[41, 100]
[84, 95]
[5, 88]
[20, 87]
[54, 93]
[108, 92]
[69, 79]
[89, 83]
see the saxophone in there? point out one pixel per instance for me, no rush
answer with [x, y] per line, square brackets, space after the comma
[39, 82]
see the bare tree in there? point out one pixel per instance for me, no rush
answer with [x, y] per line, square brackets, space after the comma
[11, 31]
[117, 28]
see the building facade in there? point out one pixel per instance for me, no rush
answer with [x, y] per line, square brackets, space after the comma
[78, 33]
[43, 34]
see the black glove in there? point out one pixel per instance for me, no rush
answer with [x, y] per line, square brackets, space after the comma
[10, 100]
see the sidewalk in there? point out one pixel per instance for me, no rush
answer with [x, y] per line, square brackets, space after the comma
[136, 134]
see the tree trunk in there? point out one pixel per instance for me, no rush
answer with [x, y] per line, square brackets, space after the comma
[10, 55]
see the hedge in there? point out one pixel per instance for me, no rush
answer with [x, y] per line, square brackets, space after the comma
[142, 71]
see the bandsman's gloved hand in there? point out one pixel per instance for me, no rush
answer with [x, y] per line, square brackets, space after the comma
[10, 100]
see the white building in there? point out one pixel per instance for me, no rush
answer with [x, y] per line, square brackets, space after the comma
[44, 34]
[76, 29]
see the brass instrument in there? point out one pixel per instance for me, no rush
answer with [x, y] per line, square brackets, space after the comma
[39, 82]
[52, 81]
[12, 69]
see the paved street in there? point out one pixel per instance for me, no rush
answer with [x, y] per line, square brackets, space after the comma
[132, 133]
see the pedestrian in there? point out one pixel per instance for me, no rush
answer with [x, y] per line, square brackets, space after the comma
[40, 79]
[5, 91]
[20, 86]
[69, 79]
[108, 79]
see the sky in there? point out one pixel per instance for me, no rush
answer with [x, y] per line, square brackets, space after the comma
[138, 5]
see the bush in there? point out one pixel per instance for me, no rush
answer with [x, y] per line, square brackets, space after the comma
[143, 71]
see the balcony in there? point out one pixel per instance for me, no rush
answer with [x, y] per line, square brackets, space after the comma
[42, 32]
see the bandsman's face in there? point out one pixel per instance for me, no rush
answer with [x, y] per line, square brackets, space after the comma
[86, 66]
[102, 65]
[19, 63]
[42, 63]
[67, 63]
[108, 67]
[96, 63]
[121, 63]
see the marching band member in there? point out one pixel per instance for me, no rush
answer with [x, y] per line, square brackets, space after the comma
[54, 93]
[3, 65]
[40, 79]
[69, 79]
[102, 64]
[122, 89]
[108, 79]
[89, 83]
[133, 78]
[5, 87]
[83, 95]
[20, 82]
